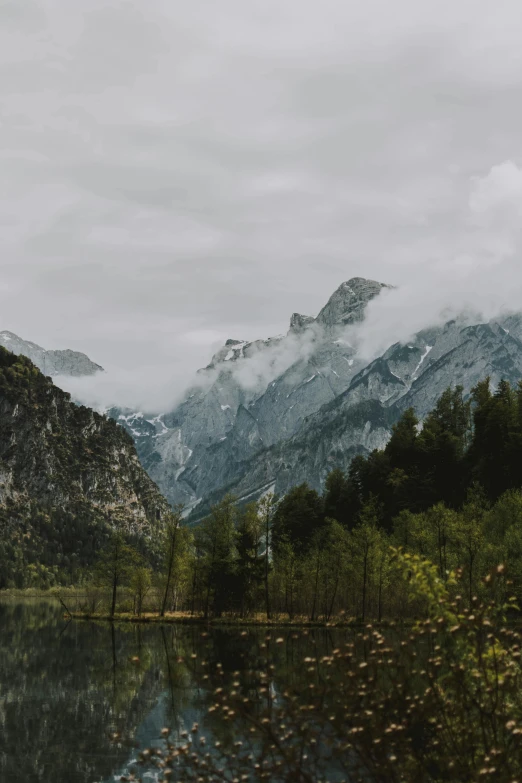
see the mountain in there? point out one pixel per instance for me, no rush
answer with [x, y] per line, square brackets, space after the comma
[360, 419]
[250, 397]
[267, 415]
[68, 476]
[64, 362]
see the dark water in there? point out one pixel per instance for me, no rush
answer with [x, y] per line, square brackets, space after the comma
[65, 688]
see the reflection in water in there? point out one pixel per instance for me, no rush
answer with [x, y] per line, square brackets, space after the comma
[66, 687]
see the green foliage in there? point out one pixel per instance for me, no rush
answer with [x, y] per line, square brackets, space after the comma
[434, 490]
[440, 702]
[117, 565]
[140, 583]
[298, 516]
[177, 541]
[216, 539]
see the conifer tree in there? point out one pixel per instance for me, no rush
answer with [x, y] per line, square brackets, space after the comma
[336, 497]
[266, 509]
[250, 561]
[217, 542]
[299, 514]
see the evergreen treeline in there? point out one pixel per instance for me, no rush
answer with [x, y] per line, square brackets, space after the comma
[450, 491]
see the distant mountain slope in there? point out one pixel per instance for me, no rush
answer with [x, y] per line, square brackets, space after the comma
[67, 477]
[360, 419]
[234, 412]
[241, 433]
[64, 362]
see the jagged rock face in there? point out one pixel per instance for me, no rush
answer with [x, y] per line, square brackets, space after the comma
[348, 303]
[298, 322]
[360, 419]
[58, 458]
[234, 413]
[316, 412]
[51, 363]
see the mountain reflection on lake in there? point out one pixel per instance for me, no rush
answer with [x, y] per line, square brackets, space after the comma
[67, 687]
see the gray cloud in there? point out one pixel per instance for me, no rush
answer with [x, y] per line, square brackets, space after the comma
[173, 174]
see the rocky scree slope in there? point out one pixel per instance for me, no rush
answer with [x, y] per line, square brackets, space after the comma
[68, 476]
[64, 362]
[236, 432]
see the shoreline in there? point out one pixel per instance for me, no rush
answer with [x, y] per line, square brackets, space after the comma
[230, 622]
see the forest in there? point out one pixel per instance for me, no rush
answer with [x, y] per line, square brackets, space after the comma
[449, 491]
[415, 553]
[426, 536]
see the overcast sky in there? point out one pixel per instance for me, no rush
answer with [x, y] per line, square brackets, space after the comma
[174, 173]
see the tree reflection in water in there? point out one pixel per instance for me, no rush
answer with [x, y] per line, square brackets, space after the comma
[77, 699]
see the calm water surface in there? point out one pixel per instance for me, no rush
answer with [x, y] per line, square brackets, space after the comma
[66, 687]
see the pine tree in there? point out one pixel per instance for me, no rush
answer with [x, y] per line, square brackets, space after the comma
[495, 422]
[443, 442]
[217, 541]
[250, 560]
[298, 516]
[336, 496]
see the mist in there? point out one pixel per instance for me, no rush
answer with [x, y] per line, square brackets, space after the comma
[480, 281]
[477, 279]
[223, 167]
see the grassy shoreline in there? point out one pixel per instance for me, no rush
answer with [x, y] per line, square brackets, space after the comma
[68, 596]
[180, 618]
[33, 592]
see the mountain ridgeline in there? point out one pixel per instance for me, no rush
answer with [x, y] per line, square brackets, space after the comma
[256, 420]
[271, 414]
[68, 478]
[63, 362]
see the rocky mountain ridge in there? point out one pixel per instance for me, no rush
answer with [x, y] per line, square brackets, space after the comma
[267, 414]
[360, 419]
[262, 421]
[51, 363]
[251, 396]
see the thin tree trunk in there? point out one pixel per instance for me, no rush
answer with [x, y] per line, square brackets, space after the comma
[440, 557]
[209, 580]
[194, 583]
[267, 594]
[380, 593]
[291, 607]
[207, 600]
[334, 594]
[471, 560]
[172, 552]
[312, 616]
[114, 589]
[365, 570]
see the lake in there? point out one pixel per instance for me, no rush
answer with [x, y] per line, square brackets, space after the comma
[66, 687]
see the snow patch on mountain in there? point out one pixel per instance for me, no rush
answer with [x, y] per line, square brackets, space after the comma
[421, 361]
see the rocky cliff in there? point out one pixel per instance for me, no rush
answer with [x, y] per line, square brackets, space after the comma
[67, 477]
[270, 414]
[252, 396]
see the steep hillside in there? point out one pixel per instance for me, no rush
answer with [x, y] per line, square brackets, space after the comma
[360, 419]
[269, 414]
[67, 477]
